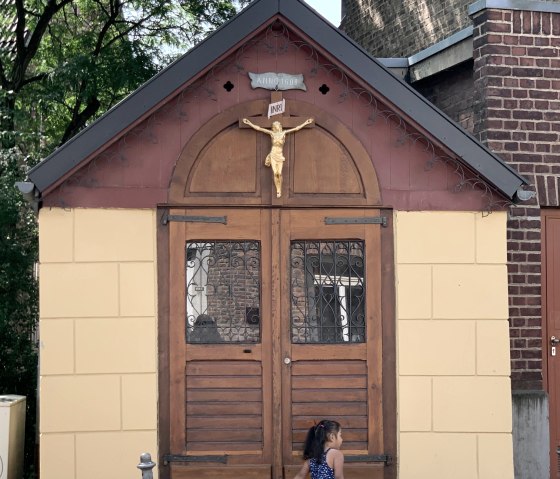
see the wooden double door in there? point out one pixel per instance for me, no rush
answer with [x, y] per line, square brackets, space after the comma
[274, 323]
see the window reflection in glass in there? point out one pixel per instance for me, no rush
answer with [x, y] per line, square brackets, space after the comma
[328, 291]
[222, 291]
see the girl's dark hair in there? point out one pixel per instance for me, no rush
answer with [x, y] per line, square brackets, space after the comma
[317, 435]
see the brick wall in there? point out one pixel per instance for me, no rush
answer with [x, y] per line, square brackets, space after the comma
[512, 104]
[517, 113]
[453, 92]
[389, 28]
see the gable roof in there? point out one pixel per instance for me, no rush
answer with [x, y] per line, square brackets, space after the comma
[260, 12]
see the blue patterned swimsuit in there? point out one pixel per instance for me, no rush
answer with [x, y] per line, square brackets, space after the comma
[321, 470]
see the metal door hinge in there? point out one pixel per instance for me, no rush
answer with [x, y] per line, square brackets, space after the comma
[193, 219]
[385, 458]
[178, 458]
[357, 220]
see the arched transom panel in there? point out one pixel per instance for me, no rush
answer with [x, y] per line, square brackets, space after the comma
[224, 162]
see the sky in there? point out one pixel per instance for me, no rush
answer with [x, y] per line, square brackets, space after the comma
[330, 9]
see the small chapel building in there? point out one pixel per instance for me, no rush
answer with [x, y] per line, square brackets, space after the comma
[274, 230]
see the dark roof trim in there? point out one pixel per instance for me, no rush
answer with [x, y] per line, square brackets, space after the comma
[332, 40]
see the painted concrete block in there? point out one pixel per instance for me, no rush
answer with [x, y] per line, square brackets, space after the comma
[114, 235]
[435, 237]
[56, 235]
[137, 289]
[56, 346]
[495, 456]
[415, 404]
[491, 237]
[80, 403]
[437, 456]
[430, 348]
[139, 401]
[78, 290]
[492, 347]
[115, 345]
[58, 454]
[414, 291]
[121, 450]
[472, 404]
[470, 292]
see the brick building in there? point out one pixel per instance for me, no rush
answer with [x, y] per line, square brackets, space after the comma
[494, 67]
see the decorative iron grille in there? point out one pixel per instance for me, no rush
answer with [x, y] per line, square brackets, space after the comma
[223, 291]
[328, 291]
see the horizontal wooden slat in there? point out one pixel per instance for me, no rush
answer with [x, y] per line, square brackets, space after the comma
[303, 352]
[223, 409]
[334, 382]
[226, 352]
[329, 409]
[237, 395]
[351, 471]
[329, 368]
[350, 435]
[260, 471]
[225, 447]
[224, 435]
[346, 446]
[224, 406]
[216, 382]
[329, 395]
[305, 422]
[224, 368]
[249, 422]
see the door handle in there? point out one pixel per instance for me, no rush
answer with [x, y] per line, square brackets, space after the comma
[553, 342]
[287, 360]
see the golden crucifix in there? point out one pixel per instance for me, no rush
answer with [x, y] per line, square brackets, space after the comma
[275, 158]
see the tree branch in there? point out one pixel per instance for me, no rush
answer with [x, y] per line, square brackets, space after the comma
[3, 79]
[79, 119]
[132, 26]
[27, 52]
[35, 78]
[108, 24]
[20, 28]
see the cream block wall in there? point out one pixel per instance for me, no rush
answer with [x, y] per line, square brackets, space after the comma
[454, 410]
[98, 356]
[98, 360]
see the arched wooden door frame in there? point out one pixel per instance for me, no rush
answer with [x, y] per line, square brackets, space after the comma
[180, 197]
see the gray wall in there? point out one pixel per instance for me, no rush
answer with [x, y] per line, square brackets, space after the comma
[531, 435]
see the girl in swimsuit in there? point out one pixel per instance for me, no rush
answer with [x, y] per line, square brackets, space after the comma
[323, 459]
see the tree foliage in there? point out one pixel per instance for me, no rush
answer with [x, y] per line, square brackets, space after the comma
[18, 294]
[63, 63]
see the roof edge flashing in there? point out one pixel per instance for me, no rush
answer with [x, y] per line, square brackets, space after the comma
[440, 46]
[526, 5]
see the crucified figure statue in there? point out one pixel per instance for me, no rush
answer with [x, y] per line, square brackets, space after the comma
[275, 158]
